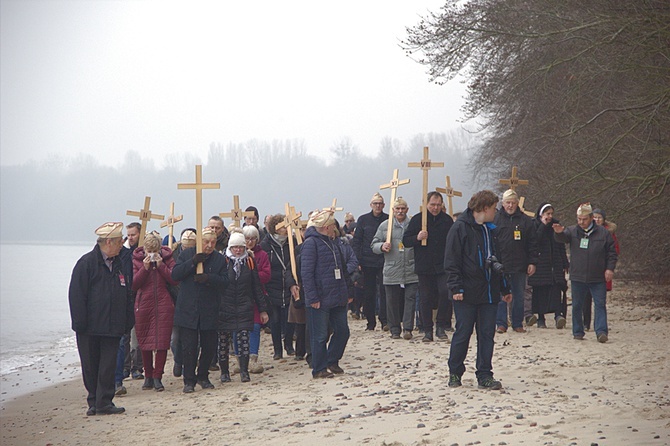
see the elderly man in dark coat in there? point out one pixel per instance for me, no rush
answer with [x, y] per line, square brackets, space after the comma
[101, 310]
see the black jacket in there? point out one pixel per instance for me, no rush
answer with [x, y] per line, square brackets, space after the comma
[517, 254]
[588, 265]
[429, 259]
[465, 262]
[552, 259]
[236, 311]
[198, 303]
[101, 301]
[281, 279]
[366, 227]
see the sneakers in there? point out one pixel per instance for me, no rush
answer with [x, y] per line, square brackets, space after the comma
[602, 338]
[407, 335]
[441, 334]
[336, 369]
[120, 389]
[489, 384]
[500, 329]
[454, 381]
[530, 320]
[541, 323]
[560, 322]
[323, 374]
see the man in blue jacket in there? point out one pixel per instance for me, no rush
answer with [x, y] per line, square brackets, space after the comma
[476, 282]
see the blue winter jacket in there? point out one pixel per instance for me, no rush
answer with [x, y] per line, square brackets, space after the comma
[320, 257]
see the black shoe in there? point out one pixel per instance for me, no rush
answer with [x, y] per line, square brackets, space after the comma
[189, 388]
[450, 328]
[177, 370]
[299, 357]
[370, 328]
[289, 350]
[277, 355]
[158, 385]
[454, 380]
[90, 412]
[440, 333]
[323, 374]
[490, 384]
[541, 323]
[110, 410]
[148, 384]
[308, 359]
[120, 389]
[137, 374]
[427, 337]
[336, 369]
[225, 377]
[530, 320]
[205, 384]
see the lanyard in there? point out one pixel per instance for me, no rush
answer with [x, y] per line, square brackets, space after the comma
[331, 250]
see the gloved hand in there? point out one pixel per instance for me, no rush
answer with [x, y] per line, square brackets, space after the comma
[201, 278]
[199, 258]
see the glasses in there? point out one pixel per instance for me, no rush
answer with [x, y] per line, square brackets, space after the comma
[377, 203]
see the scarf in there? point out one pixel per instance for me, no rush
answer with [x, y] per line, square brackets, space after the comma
[238, 261]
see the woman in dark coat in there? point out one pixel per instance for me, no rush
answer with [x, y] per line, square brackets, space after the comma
[236, 312]
[154, 309]
[548, 282]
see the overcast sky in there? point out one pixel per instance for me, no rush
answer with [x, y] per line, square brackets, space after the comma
[105, 77]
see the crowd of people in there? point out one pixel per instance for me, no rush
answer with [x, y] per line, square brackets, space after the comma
[481, 270]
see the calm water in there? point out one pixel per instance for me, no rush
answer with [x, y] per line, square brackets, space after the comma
[34, 311]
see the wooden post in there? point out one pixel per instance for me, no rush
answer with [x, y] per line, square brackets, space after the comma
[393, 185]
[296, 223]
[425, 164]
[236, 213]
[198, 186]
[144, 215]
[449, 192]
[171, 220]
[288, 223]
[522, 200]
[513, 181]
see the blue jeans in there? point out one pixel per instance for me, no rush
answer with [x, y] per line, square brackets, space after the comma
[518, 282]
[599, 292]
[318, 321]
[120, 358]
[483, 316]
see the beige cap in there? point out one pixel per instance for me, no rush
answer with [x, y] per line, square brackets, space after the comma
[584, 209]
[188, 235]
[113, 229]
[322, 218]
[237, 239]
[208, 231]
[377, 197]
[510, 194]
[400, 201]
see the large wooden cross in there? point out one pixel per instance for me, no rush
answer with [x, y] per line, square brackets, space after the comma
[449, 192]
[171, 220]
[198, 186]
[522, 200]
[425, 164]
[144, 215]
[236, 213]
[513, 181]
[394, 184]
[289, 222]
[333, 207]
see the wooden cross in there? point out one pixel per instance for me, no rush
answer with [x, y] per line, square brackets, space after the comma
[522, 200]
[394, 184]
[333, 207]
[198, 186]
[236, 213]
[290, 218]
[425, 164]
[144, 215]
[449, 192]
[513, 181]
[171, 220]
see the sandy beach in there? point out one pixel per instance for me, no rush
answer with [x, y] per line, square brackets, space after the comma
[557, 391]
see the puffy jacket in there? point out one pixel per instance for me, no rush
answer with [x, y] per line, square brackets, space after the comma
[198, 303]
[101, 302]
[515, 255]
[552, 259]
[398, 265]
[319, 258]
[154, 310]
[236, 311]
[428, 259]
[588, 265]
[468, 247]
[366, 227]
[281, 278]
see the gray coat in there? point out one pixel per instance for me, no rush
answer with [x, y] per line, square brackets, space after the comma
[398, 265]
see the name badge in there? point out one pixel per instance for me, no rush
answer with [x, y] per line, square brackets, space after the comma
[338, 274]
[122, 280]
[517, 235]
[401, 247]
[584, 243]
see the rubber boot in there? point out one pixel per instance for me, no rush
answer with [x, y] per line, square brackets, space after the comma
[225, 375]
[244, 368]
[254, 366]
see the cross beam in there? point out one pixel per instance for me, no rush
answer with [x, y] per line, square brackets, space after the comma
[425, 164]
[144, 215]
[522, 200]
[236, 213]
[449, 192]
[513, 181]
[333, 207]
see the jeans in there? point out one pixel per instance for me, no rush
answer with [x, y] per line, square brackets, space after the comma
[599, 292]
[483, 316]
[518, 282]
[434, 295]
[372, 280]
[400, 302]
[318, 320]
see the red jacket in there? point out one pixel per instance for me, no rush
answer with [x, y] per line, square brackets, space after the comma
[154, 309]
[264, 273]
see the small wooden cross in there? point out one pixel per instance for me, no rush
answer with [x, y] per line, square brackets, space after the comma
[425, 164]
[171, 220]
[236, 213]
[144, 215]
[198, 186]
[333, 207]
[449, 192]
[290, 218]
[513, 181]
[522, 200]
[394, 184]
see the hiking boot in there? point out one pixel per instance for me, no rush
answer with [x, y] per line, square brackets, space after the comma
[255, 367]
[489, 384]
[427, 337]
[541, 323]
[454, 380]
[560, 322]
[530, 320]
[500, 329]
[602, 338]
[441, 334]
[148, 384]
[407, 335]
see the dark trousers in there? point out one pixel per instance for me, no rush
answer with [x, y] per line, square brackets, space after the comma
[120, 359]
[98, 363]
[327, 352]
[469, 316]
[372, 281]
[586, 310]
[434, 295]
[400, 303]
[300, 344]
[279, 324]
[189, 347]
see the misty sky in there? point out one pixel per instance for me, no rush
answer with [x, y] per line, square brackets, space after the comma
[105, 77]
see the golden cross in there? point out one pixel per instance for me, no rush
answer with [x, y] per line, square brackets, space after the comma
[394, 184]
[198, 186]
[425, 164]
[513, 181]
[522, 200]
[333, 207]
[236, 213]
[449, 192]
[171, 220]
[144, 215]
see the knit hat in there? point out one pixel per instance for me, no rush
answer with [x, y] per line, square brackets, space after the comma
[188, 235]
[112, 229]
[236, 239]
[510, 194]
[377, 197]
[322, 218]
[584, 209]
